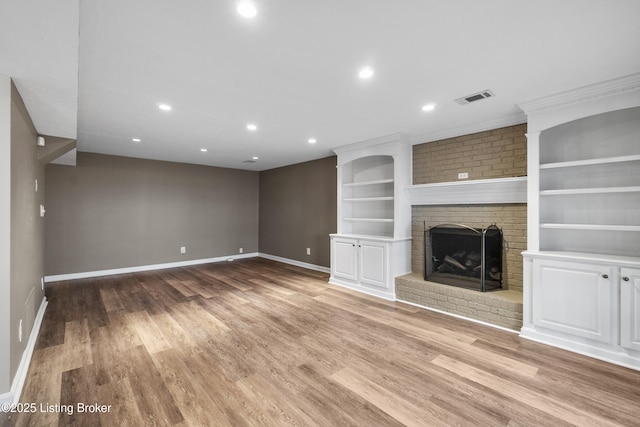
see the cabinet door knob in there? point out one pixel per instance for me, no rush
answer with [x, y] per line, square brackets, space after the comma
[606, 276]
[626, 279]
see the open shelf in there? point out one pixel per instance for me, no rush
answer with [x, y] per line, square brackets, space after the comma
[365, 183]
[600, 190]
[589, 185]
[368, 199]
[591, 162]
[368, 219]
[594, 227]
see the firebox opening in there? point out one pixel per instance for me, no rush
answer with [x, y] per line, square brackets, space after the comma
[463, 256]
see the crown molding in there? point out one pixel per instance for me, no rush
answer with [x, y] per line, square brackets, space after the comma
[582, 94]
[393, 138]
[511, 120]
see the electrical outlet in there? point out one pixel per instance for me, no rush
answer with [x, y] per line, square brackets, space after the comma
[463, 175]
[183, 249]
[20, 331]
[308, 251]
[241, 250]
[42, 283]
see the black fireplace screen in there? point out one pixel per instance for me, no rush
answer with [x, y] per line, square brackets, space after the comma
[463, 256]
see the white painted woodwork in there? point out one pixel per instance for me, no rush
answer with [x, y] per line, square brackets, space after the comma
[373, 242]
[583, 223]
[369, 265]
[477, 191]
[344, 259]
[630, 308]
[572, 297]
[372, 264]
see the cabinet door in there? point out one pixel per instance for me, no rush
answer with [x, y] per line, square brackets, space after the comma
[373, 269]
[630, 308]
[344, 259]
[573, 298]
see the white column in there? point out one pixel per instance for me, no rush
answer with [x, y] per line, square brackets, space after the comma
[533, 191]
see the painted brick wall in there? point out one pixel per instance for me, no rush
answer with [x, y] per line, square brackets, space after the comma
[497, 153]
[511, 218]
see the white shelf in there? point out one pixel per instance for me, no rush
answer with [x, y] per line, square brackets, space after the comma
[368, 199]
[368, 219]
[593, 227]
[600, 190]
[364, 183]
[591, 162]
[480, 191]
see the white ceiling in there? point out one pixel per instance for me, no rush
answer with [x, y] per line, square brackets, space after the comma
[292, 70]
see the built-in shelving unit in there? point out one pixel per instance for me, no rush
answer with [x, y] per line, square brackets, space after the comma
[582, 263]
[372, 244]
[368, 196]
[589, 177]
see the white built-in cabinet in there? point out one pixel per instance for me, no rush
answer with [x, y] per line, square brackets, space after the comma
[630, 309]
[582, 264]
[373, 241]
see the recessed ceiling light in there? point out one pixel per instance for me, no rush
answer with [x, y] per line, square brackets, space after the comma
[365, 73]
[136, 139]
[312, 141]
[204, 150]
[254, 158]
[428, 107]
[164, 107]
[252, 127]
[247, 9]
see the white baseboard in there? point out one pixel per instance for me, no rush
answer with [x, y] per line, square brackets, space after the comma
[13, 396]
[460, 317]
[294, 262]
[136, 269]
[620, 357]
[389, 296]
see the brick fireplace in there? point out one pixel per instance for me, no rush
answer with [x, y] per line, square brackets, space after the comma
[494, 193]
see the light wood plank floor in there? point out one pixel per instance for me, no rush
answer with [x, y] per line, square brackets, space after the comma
[256, 342]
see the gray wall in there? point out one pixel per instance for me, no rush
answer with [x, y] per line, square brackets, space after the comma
[113, 212]
[21, 250]
[5, 233]
[298, 210]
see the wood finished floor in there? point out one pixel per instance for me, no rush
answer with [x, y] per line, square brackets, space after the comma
[260, 343]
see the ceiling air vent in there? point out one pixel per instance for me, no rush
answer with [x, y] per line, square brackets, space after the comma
[249, 161]
[475, 97]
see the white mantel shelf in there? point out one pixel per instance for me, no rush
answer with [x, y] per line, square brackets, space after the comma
[472, 192]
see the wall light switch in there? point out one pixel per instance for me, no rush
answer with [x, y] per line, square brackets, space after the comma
[42, 211]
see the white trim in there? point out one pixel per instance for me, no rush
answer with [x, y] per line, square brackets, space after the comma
[615, 355]
[389, 296]
[477, 191]
[511, 120]
[13, 396]
[368, 144]
[459, 316]
[136, 269]
[582, 94]
[294, 262]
